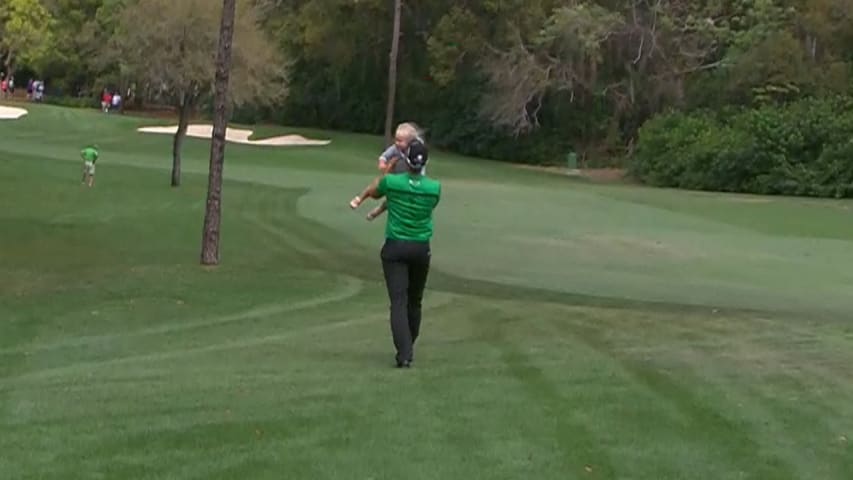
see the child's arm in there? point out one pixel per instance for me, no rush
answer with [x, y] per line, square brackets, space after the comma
[388, 159]
[365, 194]
[387, 166]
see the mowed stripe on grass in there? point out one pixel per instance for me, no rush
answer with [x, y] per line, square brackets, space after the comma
[573, 330]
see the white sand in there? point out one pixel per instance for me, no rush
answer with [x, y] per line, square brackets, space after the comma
[237, 135]
[11, 113]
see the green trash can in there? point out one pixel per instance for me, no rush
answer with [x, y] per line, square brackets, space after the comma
[572, 161]
[572, 164]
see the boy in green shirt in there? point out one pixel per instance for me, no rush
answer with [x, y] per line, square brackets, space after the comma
[90, 156]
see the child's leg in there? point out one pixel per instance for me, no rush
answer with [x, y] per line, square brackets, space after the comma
[378, 210]
[90, 172]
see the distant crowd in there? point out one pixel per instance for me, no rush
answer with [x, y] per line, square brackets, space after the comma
[35, 88]
[111, 101]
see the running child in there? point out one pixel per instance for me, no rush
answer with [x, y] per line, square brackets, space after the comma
[90, 156]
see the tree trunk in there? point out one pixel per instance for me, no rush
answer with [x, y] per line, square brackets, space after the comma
[10, 66]
[212, 215]
[392, 73]
[178, 142]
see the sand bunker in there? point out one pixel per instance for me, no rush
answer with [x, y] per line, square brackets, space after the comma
[11, 113]
[237, 135]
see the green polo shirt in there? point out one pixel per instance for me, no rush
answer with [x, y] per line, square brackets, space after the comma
[411, 200]
[89, 154]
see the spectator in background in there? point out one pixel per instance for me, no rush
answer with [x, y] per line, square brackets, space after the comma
[117, 102]
[106, 101]
[38, 90]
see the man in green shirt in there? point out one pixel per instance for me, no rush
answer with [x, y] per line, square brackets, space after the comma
[90, 156]
[406, 255]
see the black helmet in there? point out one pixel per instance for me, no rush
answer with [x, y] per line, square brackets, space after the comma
[417, 155]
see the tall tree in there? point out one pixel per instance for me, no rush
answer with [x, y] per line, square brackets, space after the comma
[167, 46]
[392, 71]
[213, 210]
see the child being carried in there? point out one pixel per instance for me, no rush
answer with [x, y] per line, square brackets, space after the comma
[392, 160]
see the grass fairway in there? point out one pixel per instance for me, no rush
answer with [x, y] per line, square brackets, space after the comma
[572, 331]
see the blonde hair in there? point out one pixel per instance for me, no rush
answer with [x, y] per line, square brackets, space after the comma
[409, 131]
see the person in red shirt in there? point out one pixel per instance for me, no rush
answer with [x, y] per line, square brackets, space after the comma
[4, 88]
[106, 101]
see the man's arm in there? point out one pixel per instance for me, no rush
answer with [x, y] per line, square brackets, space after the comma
[373, 191]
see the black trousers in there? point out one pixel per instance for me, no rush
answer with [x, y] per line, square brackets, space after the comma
[406, 267]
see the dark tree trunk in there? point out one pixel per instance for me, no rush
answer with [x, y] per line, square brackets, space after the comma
[9, 65]
[184, 111]
[212, 215]
[392, 73]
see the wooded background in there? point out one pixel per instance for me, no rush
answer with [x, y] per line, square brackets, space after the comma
[709, 94]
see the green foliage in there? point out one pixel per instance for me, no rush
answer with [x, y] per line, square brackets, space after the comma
[167, 47]
[803, 148]
[579, 29]
[835, 165]
[772, 70]
[72, 102]
[664, 145]
[26, 32]
[73, 63]
[456, 35]
[521, 80]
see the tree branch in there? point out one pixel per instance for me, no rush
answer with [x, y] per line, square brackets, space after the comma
[640, 50]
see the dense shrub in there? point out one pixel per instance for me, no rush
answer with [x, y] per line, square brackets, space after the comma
[72, 102]
[803, 148]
